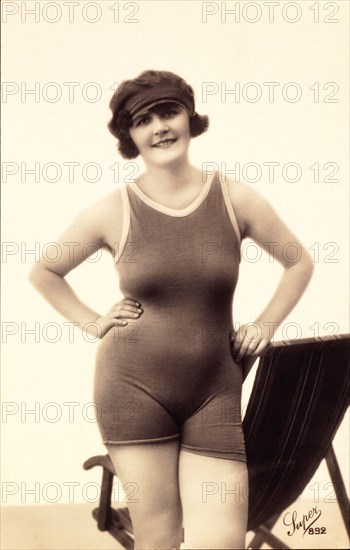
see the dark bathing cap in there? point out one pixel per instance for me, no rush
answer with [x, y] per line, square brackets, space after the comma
[132, 97]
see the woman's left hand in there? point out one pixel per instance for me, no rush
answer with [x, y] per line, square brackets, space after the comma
[251, 339]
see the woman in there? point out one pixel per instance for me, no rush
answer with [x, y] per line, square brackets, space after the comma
[168, 369]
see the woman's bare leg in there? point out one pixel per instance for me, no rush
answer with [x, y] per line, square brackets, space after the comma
[152, 469]
[214, 495]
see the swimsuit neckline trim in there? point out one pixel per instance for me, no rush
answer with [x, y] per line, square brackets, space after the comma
[175, 211]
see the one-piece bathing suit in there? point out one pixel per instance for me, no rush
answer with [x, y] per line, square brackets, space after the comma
[170, 373]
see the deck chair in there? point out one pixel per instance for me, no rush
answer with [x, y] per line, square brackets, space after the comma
[299, 397]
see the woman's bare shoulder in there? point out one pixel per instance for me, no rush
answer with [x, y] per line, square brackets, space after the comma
[108, 213]
[109, 204]
[245, 201]
[102, 220]
[258, 218]
[242, 193]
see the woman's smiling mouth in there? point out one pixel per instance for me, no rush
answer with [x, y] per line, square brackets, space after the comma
[164, 143]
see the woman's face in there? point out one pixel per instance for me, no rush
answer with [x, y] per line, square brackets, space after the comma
[161, 134]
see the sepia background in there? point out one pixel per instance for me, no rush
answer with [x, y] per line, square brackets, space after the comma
[274, 84]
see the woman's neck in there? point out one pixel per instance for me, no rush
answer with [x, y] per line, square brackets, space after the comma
[166, 180]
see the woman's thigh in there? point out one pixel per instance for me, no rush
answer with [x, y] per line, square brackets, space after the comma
[149, 475]
[214, 495]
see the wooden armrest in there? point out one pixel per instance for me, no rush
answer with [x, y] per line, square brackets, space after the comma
[101, 460]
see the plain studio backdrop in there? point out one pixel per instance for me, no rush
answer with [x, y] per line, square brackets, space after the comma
[273, 81]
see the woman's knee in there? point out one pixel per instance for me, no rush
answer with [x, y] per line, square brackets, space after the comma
[215, 536]
[159, 530]
[158, 518]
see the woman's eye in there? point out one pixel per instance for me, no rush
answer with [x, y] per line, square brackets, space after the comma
[142, 121]
[170, 113]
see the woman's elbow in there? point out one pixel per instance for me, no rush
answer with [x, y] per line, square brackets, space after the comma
[39, 275]
[306, 265]
[308, 262]
[303, 266]
[35, 276]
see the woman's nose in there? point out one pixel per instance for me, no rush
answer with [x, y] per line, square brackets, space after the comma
[160, 126]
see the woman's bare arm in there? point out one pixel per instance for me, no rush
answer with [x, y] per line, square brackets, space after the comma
[87, 233]
[259, 221]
